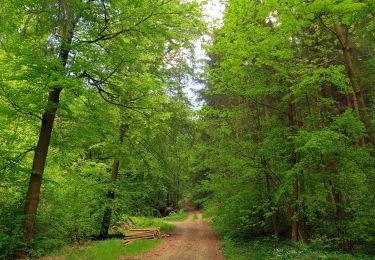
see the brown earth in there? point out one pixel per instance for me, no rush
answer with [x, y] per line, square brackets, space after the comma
[192, 240]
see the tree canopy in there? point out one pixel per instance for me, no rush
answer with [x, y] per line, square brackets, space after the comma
[96, 124]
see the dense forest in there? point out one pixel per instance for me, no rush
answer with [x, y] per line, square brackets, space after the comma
[96, 125]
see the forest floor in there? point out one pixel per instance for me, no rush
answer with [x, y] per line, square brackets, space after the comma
[192, 239]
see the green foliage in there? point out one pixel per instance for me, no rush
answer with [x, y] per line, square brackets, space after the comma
[282, 142]
[283, 148]
[265, 249]
[177, 216]
[116, 64]
[143, 222]
[109, 249]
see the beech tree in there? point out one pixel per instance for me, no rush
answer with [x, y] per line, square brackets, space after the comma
[280, 153]
[69, 45]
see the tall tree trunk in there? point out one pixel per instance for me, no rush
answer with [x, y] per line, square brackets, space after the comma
[111, 194]
[40, 156]
[294, 211]
[269, 178]
[275, 217]
[344, 244]
[41, 151]
[353, 77]
[354, 105]
[296, 233]
[340, 213]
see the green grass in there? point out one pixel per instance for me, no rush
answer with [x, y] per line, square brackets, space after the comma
[107, 249]
[177, 216]
[261, 249]
[195, 217]
[143, 222]
[113, 248]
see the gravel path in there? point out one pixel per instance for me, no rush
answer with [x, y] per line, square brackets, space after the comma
[192, 240]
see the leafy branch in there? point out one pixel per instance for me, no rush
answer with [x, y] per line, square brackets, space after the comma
[18, 158]
[16, 107]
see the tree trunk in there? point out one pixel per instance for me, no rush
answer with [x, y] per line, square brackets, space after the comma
[275, 217]
[111, 194]
[41, 151]
[345, 244]
[294, 211]
[353, 77]
[340, 213]
[269, 178]
[295, 232]
[40, 156]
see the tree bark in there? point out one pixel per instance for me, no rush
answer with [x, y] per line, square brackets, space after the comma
[106, 221]
[41, 150]
[275, 217]
[344, 244]
[294, 211]
[40, 156]
[269, 178]
[353, 77]
[297, 232]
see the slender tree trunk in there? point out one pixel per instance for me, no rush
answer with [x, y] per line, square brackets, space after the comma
[111, 194]
[353, 77]
[275, 218]
[344, 244]
[269, 178]
[354, 105]
[336, 196]
[294, 211]
[294, 208]
[41, 151]
[40, 156]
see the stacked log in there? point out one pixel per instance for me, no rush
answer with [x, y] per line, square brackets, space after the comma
[142, 233]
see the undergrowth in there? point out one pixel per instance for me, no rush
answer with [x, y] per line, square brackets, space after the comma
[107, 249]
[265, 249]
[177, 216]
[143, 222]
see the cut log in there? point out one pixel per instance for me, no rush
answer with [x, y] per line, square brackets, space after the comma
[127, 242]
[140, 237]
[145, 229]
[142, 233]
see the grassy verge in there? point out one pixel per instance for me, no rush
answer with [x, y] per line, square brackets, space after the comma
[114, 248]
[107, 249]
[177, 216]
[263, 249]
[143, 222]
[195, 217]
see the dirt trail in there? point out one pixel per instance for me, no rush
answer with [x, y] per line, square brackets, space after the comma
[192, 240]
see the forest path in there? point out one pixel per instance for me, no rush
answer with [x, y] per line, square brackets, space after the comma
[193, 239]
